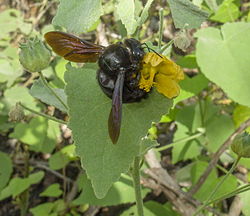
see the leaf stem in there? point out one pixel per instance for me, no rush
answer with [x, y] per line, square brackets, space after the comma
[52, 91]
[211, 195]
[24, 196]
[233, 193]
[43, 115]
[166, 46]
[161, 28]
[137, 185]
[185, 139]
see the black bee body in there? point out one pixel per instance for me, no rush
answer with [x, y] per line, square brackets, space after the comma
[122, 57]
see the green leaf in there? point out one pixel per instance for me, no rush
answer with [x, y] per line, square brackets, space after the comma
[223, 58]
[218, 128]
[126, 12]
[78, 16]
[32, 133]
[228, 186]
[5, 169]
[151, 208]
[18, 185]
[9, 71]
[41, 92]
[195, 84]
[191, 86]
[184, 150]
[9, 22]
[42, 209]
[144, 14]
[212, 180]
[58, 160]
[52, 191]
[19, 94]
[5, 125]
[121, 192]
[188, 61]
[50, 141]
[227, 12]
[241, 114]
[185, 13]
[89, 109]
[245, 199]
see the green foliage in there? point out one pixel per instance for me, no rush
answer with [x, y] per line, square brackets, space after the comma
[78, 16]
[11, 20]
[5, 169]
[152, 208]
[103, 161]
[42, 93]
[126, 12]
[43, 209]
[121, 192]
[58, 161]
[38, 134]
[245, 199]
[228, 11]
[223, 58]
[52, 191]
[18, 185]
[18, 94]
[241, 114]
[186, 15]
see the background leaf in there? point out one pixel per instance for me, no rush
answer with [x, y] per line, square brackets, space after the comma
[185, 12]
[223, 56]
[89, 110]
[227, 12]
[126, 12]
[151, 208]
[18, 185]
[5, 169]
[78, 16]
[52, 191]
[121, 192]
[41, 92]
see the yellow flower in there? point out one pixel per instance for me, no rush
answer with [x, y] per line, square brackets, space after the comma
[157, 70]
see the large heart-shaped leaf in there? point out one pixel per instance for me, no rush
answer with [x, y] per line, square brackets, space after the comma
[223, 56]
[78, 16]
[89, 110]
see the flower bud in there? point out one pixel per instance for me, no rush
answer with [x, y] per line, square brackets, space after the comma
[16, 113]
[34, 56]
[182, 41]
[241, 145]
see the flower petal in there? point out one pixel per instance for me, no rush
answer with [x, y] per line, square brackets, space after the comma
[166, 86]
[153, 59]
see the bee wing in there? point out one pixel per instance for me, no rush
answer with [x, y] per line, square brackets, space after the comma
[115, 116]
[73, 48]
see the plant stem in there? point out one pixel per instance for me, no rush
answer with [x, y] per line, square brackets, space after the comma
[161, 28]
[166, 46]
[231, 194]
[185, 139]
[24, 196]
[217, 186]
[137, 185]
[43, 115]
[52, 91]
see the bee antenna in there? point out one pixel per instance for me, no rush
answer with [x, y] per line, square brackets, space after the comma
[150, 49]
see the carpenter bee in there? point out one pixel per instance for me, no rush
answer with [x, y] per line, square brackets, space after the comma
[118, 74]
